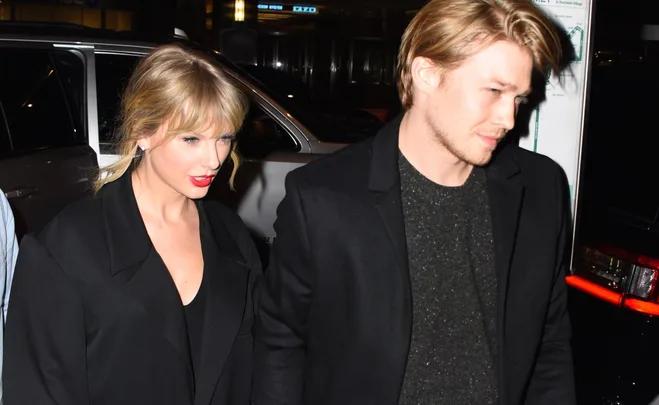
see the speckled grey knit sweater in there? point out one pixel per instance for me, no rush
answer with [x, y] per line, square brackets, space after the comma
[451, 262]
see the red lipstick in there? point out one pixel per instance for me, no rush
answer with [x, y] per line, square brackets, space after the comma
[202, 181]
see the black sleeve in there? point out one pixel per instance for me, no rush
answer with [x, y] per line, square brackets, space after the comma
[553, 378]
[44, 352]
[281, 326]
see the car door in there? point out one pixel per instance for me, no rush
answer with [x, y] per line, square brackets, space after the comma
[45, 162]
[269, 151]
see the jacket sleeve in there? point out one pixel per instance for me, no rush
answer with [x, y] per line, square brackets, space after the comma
[282, 323]
[552, 381]
[45, 362]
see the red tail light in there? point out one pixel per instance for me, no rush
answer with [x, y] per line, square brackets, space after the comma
[618, 277]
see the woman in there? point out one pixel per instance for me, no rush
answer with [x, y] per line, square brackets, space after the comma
[143, 294]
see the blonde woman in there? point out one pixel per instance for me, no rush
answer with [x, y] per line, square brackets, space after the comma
[143, 294]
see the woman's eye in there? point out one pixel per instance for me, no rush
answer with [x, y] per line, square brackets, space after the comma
[190, 139]
[227, 139]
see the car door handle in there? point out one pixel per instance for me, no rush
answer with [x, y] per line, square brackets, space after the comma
[21, 192]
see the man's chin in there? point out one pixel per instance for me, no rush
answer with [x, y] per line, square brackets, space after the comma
[480, 161]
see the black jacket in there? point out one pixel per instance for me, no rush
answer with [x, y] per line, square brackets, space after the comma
[336, 307]
[96, 318]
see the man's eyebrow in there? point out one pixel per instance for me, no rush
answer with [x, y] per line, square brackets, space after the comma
[511, 87]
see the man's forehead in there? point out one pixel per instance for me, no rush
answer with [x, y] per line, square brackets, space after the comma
[505, 64]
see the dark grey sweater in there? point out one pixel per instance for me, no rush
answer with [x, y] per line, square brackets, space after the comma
[452, 355]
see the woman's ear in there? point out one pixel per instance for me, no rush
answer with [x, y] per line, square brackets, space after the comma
[147, 142]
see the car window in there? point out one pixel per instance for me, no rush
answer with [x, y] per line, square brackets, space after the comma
[261, 135]
[41, 100]
[327, 122]
[112, 74]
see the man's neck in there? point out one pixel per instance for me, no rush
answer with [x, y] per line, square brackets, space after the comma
[424, 151]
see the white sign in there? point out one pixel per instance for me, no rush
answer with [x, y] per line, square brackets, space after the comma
[305, 9]
[556, 127]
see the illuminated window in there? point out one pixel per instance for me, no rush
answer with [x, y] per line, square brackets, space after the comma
[66, 14]
[33, 12]
[118, 20]
[5, 12]
[239, 14]
[91, 17]
[209, 14]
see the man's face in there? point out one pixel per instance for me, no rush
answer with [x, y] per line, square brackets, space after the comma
[476, 103]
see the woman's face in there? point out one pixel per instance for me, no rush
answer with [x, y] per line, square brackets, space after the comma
[186, 163]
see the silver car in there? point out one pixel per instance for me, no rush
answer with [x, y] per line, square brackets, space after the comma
[275, 138]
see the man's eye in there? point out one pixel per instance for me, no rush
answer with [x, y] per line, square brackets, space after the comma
[494, 91]
[522, 100]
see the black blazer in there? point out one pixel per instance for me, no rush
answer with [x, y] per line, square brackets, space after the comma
[96, 318]
[336, 307]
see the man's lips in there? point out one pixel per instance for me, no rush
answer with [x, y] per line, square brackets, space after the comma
[491, 141]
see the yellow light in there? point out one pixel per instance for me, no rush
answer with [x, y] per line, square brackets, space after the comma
[239, 14]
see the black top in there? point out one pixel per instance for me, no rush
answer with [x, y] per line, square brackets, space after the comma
[449, 245]
[195, 310]
[194, 318]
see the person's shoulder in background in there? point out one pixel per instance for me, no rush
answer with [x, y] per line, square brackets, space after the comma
[8, 251]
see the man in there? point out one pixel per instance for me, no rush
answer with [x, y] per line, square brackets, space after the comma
[421, 267]
[8, 255]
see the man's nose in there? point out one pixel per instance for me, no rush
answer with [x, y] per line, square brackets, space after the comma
[506, 114]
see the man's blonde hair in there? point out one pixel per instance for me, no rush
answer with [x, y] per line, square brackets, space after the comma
[182, 88]
[449, 31]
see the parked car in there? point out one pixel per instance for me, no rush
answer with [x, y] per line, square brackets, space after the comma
[615, 288]
[60, 97]
[45, 158]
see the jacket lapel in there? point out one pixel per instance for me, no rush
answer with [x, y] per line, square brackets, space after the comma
[505, 196]
[384, 186]
[390, 210]
[154, 288]
[384, 181]
[140, 271]
[228, 276]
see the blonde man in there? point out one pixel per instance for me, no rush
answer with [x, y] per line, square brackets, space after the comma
[424, 266]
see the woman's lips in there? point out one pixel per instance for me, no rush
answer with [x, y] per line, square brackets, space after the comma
[202, 181]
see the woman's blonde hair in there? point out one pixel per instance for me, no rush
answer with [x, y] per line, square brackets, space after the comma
[182, 88]
[449, 31]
